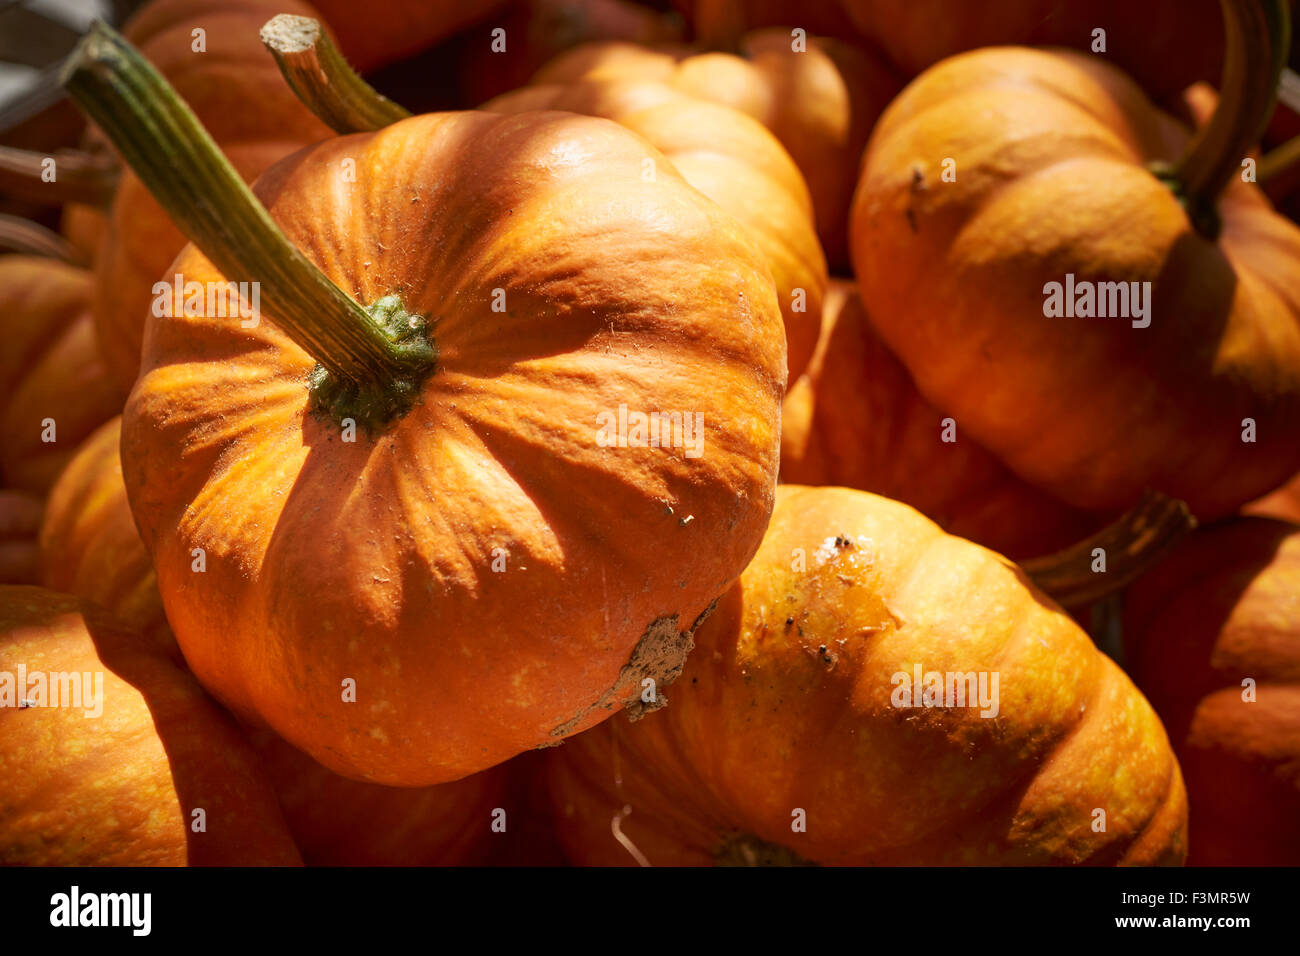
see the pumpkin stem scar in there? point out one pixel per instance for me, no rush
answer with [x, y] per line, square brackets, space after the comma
[321, 78]
[745, 849]
[372, 360]
[659, 655]
[1256, 32]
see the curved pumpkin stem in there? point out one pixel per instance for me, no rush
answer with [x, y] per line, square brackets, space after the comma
[1258, 34]
[322, 79]
[373, 360]
[78, 176]
[32, 239]
[1279, 160]
[1111, 559]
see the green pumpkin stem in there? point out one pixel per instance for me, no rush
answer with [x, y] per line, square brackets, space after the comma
[1278, 161]
[29, 238]
[1258, 36]
[372, 360]
[322, 79]
[1131, 545]
[78, 176]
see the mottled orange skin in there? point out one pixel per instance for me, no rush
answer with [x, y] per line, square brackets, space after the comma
[89, 543]
[855, 419]
[372, 35]
[120, 789]
[372, 560]
[733, 160]
[820, 103]
[786, 703]
[340, 822]
[237, 92]
[1223, 607]
[1051, 152]
[20, 523]
[49, 368]
[1165, 44]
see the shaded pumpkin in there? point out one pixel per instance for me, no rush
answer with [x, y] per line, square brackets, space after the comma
[789, 739]
[855, 419]
[820, 103]
[236, 90]
[730, 158]
[340, 822]
[20, 523]
[373, 35]
[89, 543]
[1200, 399]
[429, 442]
[1165, 44]
[1220, 613]
[55, 387]
[129, 781]
[1283, 503]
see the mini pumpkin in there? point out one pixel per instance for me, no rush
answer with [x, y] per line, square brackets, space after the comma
[855, 419]
[89, 543]
[1213, 636]
[1045, 286]
[450, 469]
[146, 770]
[56, 388]
[819, 718]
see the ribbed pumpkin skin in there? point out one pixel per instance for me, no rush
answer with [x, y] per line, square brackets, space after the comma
[49, 368]
[820, 103]
[1165, 44]
[1051, 181]
[730, 158]
[127, 781]
[237, 92]
[1224, 607]
[785, 704]
[618, 291]
[20, 523]
[855, 419]
[89, 543]
[340, 822]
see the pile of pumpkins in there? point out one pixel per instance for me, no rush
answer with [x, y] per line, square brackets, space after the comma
[616, 464]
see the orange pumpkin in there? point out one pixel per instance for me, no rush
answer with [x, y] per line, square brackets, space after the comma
[56, 389]
[855, 419]
[444, 473]
[820, 102]
[730, 158]
[1283, 503]
[806, 726]
[20, 522]
[235, 88]
[340, 822]
[1214, 641]
[89, 543]
[372, 35]
[1165, 44]
[1006, 204]
[145, 769]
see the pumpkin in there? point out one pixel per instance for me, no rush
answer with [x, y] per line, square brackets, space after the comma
[340, 822]
[730, 158]
[89, 543]
[237, 92]
[20, 521]
[372, 35]
[1283, 503]
[855, 419]
[820, 102]
[1165, 44]
[146, 769]
[451, 472]
[1213, 637]
[56, 389]
[973, 282]
[538, 30]
[803, 730]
